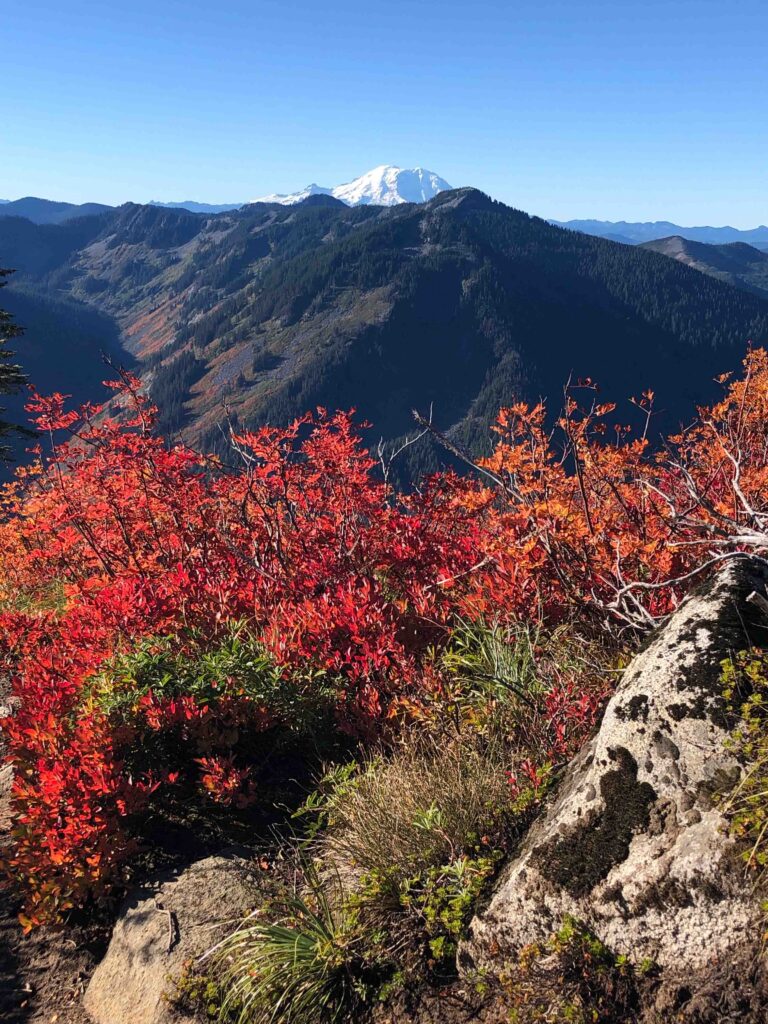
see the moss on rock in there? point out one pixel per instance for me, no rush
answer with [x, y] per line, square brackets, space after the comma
[578, 862]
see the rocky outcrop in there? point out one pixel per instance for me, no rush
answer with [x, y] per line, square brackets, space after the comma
[159, 932]
[634, 845]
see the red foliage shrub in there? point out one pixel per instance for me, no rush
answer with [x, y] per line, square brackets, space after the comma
[224, 783]
[140, 541]
[115, 538]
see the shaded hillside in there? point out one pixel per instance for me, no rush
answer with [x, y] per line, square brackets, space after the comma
[63, 348]
[37, 250]
[65, 340]
[737, 263]
[462, 303]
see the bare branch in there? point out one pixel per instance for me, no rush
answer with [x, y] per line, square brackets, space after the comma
[386, 461]
[460, 453]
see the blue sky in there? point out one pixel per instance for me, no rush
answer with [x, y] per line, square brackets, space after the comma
[647, 110]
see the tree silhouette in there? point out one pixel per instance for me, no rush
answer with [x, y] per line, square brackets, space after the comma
[11, 377]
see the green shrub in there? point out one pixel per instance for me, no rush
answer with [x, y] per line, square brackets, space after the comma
[745, 679]
[235, 666]
[209, 717]
[48, 596]
[522, 684]
[442, 900]
[195, 992]
[571, 978]
[496, 663]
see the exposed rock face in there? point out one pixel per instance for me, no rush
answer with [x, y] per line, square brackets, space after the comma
[159, 931]
[633, 845]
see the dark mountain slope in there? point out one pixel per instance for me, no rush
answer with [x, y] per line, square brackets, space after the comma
[37, 250]
[63, 349]
[464, 303]
[737, 263]
[461, 302]
[194, 207]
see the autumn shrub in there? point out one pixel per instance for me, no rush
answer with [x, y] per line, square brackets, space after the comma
[592, 523]
[198, 606]
[161, 609]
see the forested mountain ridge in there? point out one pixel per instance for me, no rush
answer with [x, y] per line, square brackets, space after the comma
[461, 303]
[735, 262]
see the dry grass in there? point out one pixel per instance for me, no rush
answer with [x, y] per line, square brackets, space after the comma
[424, 805]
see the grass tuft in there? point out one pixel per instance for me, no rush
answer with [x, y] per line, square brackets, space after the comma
[306, 964]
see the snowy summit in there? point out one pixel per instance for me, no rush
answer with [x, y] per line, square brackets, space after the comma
[383, 186]
[388, 186]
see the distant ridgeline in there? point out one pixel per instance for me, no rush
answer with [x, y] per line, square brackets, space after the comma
[46, 211]
[649, 231]
[461, 304]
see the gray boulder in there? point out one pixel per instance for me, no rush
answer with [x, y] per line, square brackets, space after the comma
[634, 844]
[159, 932]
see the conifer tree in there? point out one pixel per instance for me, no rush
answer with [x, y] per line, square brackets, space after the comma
[11, 377]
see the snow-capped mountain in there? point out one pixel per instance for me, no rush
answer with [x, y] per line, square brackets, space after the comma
[388, 186]
[383, 186]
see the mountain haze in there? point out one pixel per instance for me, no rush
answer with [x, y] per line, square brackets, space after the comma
[45, 211]
[633, 233]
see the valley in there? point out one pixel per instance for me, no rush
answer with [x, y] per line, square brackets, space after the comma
[460, 304]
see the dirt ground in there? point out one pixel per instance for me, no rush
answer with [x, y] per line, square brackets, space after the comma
[42, 976]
